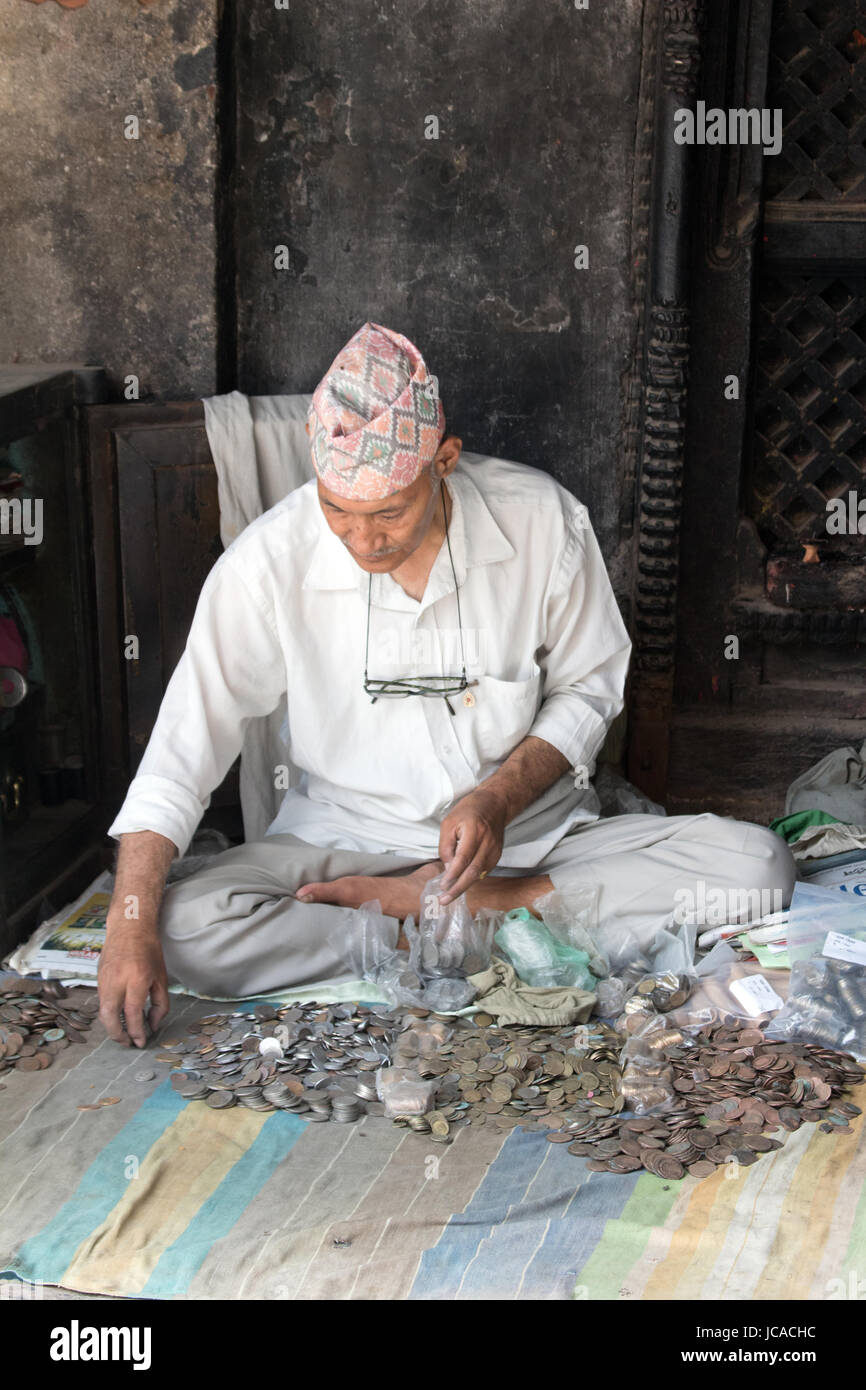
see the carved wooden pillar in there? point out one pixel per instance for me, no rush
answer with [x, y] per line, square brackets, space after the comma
[663, 402]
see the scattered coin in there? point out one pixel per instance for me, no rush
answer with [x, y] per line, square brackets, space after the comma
[39, 1019]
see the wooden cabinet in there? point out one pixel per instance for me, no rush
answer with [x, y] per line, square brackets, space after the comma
[131, 529]
[50, 776]
[156, 535]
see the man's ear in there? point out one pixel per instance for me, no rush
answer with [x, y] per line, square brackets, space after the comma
[447, 456]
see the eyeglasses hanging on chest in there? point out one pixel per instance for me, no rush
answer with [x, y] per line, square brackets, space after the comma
[429, 687]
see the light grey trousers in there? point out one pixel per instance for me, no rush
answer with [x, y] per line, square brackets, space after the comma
[234, 927]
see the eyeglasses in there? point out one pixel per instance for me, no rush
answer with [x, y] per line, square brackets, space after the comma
[429, 687]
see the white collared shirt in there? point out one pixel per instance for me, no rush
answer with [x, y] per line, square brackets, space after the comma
[284, 611]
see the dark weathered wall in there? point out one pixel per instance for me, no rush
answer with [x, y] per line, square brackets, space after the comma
[465, 243]
[108, 243]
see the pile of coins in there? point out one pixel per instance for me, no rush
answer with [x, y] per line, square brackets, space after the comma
[39, 1018]
[728, 1083]
[315, 1060]
[731, 1084]
[503, 1077]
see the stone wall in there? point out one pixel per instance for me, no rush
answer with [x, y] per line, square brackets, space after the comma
[108, 243]
[309, 128]
[463, 242]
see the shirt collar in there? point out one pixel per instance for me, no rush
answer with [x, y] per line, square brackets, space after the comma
[476, 539]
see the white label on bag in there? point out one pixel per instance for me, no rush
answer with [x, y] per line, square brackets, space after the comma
[777, 948]
[841, 947]
[756, 995]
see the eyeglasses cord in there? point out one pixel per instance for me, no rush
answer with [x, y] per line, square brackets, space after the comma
[456, 595]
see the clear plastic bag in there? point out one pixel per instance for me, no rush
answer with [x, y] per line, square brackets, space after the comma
[734, 989]
[540, 960]
[619, 797]
[661, 991]
[827, 995]
[423, 1038]
[450, 942]
[816, 911]
[369, 947]
[403, 1092]
[571, 915]
[826, 1005]
[621, 949]
[611, 996]
[369, 943]
[647, 1077]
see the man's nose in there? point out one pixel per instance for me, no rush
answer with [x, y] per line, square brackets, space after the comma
[367, 538]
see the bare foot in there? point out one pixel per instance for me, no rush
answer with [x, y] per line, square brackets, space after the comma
[399, 894]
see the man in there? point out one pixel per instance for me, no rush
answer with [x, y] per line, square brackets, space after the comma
[452, 656]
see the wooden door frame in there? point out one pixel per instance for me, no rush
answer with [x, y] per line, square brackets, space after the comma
[701, 219]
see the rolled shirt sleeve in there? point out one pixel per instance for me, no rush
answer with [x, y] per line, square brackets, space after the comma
[232, 670]
[587, 648]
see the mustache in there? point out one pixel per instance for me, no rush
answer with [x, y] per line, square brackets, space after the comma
[376, 554]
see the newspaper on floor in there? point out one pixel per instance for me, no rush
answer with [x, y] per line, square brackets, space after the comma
[66, 946]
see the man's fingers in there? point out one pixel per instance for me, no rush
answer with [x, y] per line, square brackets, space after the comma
[133, 1017]
[449, 843]
[466, 849]
[109, 1017]
[159, 1004]
[470, 875]
[472, 855]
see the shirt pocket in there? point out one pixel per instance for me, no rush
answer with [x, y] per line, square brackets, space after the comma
[502, 716]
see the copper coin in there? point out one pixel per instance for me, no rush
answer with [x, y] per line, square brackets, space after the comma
[760, 1143]
[670, 1168]
[704, 1168]
[790, 1118]
[624, 1163]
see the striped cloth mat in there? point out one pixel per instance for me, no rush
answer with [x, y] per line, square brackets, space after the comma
[155, 1197]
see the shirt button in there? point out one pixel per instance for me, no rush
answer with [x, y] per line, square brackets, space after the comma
[447, 748]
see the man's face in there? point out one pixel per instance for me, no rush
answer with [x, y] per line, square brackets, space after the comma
[380, 536]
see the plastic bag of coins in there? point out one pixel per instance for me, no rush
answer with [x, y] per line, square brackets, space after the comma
[826, 1004]
[403, 1092]
[369, 954]
[449, 940]
[41, 1018]
[647, 1076]
[662, 992]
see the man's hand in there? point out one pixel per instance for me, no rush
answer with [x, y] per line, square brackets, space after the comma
[470, 840]
[131, 967]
